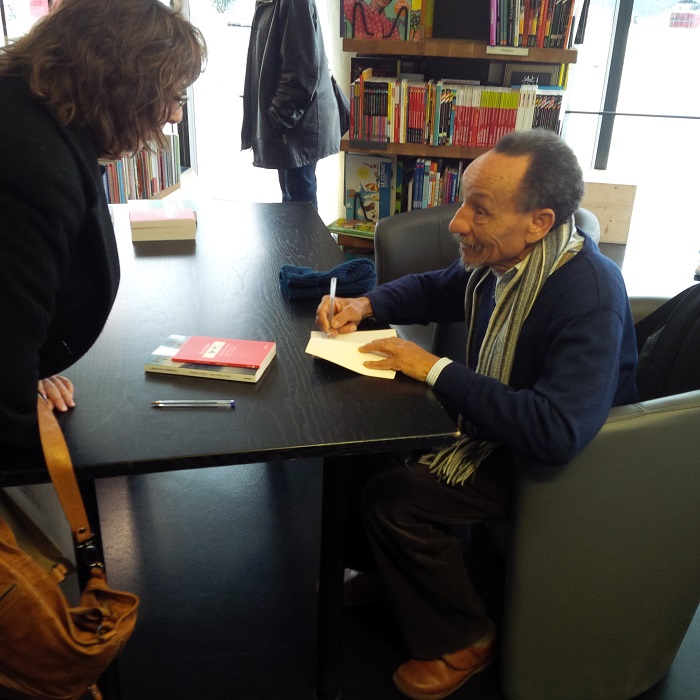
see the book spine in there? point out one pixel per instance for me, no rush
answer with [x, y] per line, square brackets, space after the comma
[542, 23]
[187, 372]
[569, 23]
[493, 22]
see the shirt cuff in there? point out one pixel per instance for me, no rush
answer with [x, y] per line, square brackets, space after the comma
[436, 369]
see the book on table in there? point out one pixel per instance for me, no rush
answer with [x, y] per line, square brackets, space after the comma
[163, 221]
[212, 358]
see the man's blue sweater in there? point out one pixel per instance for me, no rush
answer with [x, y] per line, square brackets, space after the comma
[576, 355]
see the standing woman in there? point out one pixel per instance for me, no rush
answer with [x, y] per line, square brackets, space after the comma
[290, 116]
[93, 78]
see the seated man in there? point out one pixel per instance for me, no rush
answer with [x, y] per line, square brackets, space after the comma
[551, 347]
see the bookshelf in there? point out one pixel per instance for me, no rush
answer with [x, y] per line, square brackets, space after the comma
[421, 150]
[459, 48]
[473, 49]
[144, 175]
[460, 55]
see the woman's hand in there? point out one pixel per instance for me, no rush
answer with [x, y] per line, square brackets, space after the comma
[59, 392]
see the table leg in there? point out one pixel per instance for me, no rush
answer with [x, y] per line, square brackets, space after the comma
[330, 584]
[89, 493]
[109, 680]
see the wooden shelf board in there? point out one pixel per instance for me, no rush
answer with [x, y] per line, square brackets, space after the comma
[165, 192]
[455, 48]
[417, 149]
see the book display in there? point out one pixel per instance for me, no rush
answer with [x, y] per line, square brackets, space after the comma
[212, 358]
[143, 175]
[430, 182]
[352, 227]
[544, 23]
[447, 113]
[170, 222]
[402, 20]
[370, 186]
[434, 123]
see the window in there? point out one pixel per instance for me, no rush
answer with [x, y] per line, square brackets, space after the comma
[19, 15]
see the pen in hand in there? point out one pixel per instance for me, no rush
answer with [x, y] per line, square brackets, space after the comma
[334, 281]
[194, 403]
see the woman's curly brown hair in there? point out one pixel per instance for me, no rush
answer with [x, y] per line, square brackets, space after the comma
[115, 67]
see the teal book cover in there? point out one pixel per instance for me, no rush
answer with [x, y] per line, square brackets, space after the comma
[370, 187]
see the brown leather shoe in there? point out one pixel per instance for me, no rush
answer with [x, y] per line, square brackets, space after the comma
[362, 587]
[432, 680]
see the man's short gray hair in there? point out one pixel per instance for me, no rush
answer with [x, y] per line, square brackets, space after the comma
[553, 179]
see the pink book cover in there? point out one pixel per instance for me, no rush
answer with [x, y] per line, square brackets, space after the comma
[229, 352]
[147, 216]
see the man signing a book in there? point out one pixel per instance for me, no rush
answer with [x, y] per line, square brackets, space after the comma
[551, 347]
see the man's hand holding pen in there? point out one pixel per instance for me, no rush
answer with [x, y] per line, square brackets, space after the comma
[400, 355]
[347, 314]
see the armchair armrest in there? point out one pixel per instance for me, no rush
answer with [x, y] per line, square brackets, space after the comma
[643, 306]
[604, 575]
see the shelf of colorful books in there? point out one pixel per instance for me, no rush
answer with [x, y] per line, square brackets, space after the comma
[460, 48]
[411, 149]
[143, 175]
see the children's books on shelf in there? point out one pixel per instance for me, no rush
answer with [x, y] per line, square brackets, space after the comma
[399, 20]
[538, 23]
[382, 66]
[353, 227]
[370, 187]
[446, 112]
[430, 182]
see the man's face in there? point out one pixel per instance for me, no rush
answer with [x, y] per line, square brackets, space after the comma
[489, 229]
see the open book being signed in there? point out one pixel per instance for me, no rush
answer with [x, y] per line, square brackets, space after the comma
[343, 350]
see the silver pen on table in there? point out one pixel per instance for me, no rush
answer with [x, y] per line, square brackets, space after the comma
[194, 403]
[334, 281]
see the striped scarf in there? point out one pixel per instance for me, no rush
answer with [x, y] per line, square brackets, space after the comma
[456, 463]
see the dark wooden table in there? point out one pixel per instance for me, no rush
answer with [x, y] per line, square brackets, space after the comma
[227, 284]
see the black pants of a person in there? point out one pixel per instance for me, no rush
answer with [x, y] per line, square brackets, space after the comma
[409, 516]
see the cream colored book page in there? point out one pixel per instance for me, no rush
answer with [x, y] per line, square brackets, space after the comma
[343, 350]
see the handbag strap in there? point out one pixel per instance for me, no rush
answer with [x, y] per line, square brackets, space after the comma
[61, 471]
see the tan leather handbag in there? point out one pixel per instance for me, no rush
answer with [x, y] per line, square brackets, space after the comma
[48, 650]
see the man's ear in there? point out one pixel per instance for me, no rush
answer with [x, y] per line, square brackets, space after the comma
[541, 222]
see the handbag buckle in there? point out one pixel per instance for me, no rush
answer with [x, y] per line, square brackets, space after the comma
[90, 555]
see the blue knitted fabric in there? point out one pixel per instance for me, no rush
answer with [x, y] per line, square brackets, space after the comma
[355, 278]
